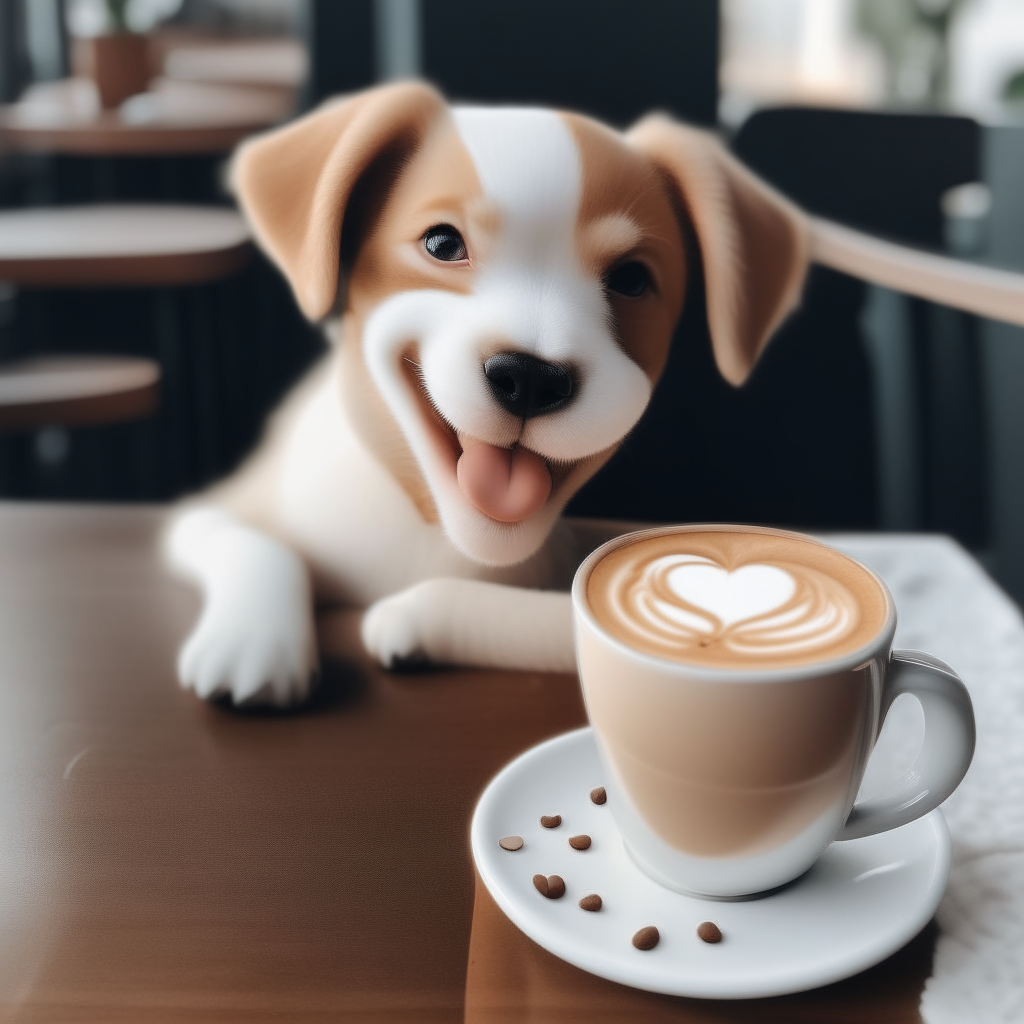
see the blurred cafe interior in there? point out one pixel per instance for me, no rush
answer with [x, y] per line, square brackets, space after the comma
[165, 858]
[143, 339]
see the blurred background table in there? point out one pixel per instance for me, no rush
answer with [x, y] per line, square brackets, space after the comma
[166, 859]
[132, 199]
[60, 257]
[76, 390]
[121, 244]
[173, 117]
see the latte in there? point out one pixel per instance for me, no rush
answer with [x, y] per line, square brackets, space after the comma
[733, 756]
[735, 598]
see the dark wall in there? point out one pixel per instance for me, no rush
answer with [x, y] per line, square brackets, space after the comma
[341, 37]
[611, 59]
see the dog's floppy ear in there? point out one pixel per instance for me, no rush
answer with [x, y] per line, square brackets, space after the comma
[754, 243]
[294, 183]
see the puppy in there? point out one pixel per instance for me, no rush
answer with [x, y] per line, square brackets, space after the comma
[500, 287]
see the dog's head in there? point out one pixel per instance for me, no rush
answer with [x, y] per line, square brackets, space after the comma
[508, 281]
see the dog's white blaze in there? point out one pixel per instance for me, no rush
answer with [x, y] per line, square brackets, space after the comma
[529, 167]
[530, 294]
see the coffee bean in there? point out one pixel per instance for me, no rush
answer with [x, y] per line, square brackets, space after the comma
[552, 887]
[646, 938]
[551, 820]
[598, 795]
[592, 902]
[709, 931]
[580, 842]
[511, 843]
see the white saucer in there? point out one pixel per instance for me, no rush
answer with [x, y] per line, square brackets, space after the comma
[861, 901]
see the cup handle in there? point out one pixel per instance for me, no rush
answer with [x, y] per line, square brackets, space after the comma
[945, 756]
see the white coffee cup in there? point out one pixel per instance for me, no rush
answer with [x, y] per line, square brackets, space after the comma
[730, 781]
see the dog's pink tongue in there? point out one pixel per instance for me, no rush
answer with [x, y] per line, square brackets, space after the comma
[505, 485]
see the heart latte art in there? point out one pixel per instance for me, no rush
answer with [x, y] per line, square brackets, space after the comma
[734, 599]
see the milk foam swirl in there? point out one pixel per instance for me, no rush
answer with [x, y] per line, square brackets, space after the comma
[756, 611]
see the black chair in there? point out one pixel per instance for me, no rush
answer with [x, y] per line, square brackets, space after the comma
[886, 174]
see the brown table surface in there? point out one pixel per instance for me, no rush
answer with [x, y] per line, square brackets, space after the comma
[163, 859]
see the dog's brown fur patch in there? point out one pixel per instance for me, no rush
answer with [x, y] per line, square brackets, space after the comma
[438, 184]
[754, 243]
[622, 188]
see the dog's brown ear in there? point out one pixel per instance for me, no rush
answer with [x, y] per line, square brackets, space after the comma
[754, 243]
[294, 183]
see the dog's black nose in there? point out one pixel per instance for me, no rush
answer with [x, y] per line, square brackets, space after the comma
[527, 386]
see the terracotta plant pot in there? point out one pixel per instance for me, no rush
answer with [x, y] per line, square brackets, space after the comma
[118, 64]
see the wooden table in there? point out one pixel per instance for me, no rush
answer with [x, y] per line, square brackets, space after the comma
[163, 859]
[173, 118]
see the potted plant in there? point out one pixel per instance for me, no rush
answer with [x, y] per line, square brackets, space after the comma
[117, 61]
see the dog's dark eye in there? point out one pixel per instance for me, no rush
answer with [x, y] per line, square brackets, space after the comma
[445, 243]
[631, 279]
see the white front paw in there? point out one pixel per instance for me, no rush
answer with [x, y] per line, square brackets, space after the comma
[251, 651]
[255, 640]
[392, 628]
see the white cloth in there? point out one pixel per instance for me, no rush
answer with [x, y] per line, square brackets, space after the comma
[949, 607]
